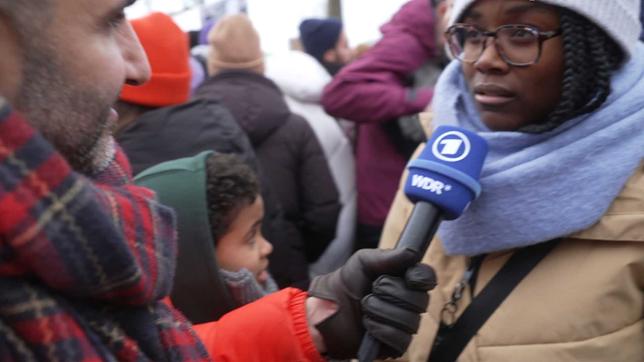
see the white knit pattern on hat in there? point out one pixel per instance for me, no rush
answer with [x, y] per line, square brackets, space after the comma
[618, 18]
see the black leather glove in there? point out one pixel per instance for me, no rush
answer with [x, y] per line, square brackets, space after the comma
[390, 311]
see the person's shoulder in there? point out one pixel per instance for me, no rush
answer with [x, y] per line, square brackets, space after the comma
[218, 85]
[298, 122]
[298, 75]
[295, 134]
[208, 106]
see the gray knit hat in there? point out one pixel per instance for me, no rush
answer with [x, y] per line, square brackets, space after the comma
[618, 18]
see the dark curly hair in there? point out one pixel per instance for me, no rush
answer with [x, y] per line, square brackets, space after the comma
[230, 185]
[591, 57]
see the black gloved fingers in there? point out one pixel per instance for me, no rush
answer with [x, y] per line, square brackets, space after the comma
[327, 287]
[394, 341]
[421, 277]
[394, 291]
[343, 331]
[385, 312]
[376, 262]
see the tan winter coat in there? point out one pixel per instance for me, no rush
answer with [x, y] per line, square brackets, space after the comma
[583, 302]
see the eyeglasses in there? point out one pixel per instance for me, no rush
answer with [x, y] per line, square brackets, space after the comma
[518, 45]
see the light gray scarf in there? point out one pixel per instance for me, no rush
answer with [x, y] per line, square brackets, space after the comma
[243, 286]
[537, 187]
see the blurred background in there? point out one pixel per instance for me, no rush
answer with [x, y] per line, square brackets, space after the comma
[277, 20]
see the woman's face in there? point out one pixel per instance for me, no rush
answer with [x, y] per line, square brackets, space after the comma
[510, 97]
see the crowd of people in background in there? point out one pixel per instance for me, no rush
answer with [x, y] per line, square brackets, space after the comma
[227, 215]
[329, 131]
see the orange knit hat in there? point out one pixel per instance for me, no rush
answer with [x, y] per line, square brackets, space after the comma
[167, 48]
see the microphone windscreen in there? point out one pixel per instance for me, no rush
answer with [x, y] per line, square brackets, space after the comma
[447, 171]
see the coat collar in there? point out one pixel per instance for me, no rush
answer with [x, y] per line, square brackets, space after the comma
[624, 220]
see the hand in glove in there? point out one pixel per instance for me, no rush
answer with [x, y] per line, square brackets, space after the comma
[382, 290]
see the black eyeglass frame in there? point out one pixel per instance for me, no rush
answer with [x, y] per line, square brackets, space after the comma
[541, 37]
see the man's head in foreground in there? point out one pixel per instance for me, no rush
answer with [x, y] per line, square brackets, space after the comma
[63, 65]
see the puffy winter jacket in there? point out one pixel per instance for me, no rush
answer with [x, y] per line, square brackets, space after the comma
[288, 152]
[302, 79]
[372, 91]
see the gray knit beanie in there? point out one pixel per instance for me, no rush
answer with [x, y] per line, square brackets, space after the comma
[618, 18]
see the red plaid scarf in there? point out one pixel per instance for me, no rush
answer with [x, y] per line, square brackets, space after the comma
[83, 265]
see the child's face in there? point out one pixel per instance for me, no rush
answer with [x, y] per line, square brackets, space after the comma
[244, 246]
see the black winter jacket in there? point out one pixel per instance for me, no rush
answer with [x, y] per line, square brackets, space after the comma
[288, 151]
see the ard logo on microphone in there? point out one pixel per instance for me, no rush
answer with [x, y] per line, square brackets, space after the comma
[451, 146]
[447, 171]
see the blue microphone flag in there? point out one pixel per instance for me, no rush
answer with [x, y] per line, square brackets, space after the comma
[447, 171]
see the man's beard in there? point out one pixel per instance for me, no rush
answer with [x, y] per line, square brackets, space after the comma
[332, 67]
[73, 117]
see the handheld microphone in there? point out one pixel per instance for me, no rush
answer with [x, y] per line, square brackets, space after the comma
[442, 182]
